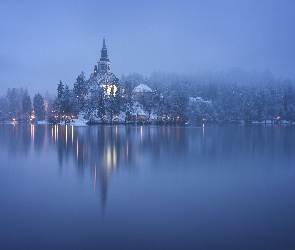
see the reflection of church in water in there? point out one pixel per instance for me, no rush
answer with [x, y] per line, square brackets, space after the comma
[97, 151]
[102, 76]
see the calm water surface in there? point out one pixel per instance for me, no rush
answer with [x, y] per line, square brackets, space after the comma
[134, 187]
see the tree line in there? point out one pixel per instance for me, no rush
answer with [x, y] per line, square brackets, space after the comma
[175, 98]
[17, 105]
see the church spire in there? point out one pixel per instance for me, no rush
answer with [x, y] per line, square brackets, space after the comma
[104, 62]
[104, 52]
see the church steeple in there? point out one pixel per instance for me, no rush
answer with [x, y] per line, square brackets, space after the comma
[104, 62]
[104, 52]
[102, 73]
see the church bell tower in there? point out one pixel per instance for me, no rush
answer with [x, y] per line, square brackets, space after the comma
[102, 75]
[104, 65]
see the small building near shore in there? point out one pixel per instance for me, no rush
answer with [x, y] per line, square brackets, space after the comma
[140, 91]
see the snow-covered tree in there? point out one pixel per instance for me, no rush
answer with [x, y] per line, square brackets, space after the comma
[179, 107]
[96, 103]
[289, 101]
[67, 102]
[26, 106]
[4, 108]
[60, 91]
[80, 91]
[200, 111]
[113, 102]
[127, 101]
[39, 107]
[15, 97]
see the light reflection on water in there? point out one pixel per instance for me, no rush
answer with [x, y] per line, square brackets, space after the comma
[136, 186]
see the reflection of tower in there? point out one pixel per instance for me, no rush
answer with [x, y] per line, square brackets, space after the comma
[107, 167]
[104, 182]
[103, 173]
[104, 149]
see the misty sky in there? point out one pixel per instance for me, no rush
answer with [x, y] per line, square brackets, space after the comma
[43, 42]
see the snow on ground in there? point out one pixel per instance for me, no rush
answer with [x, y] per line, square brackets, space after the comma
[74, 122]
[272, 122]
[79, 122]
[42, 122]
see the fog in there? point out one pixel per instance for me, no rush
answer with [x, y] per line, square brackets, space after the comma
[44, 42]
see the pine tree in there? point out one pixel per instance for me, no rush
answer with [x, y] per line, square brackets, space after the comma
[288, 101]
[14, 97]
[66, 101]
[60, 91]
[96, 103]
[179, 107]
[127, 102]
[39, 107]
[80, 91]
[4, 108]
[26, 106]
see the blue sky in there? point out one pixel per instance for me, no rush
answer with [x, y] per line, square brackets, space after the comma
[43, 42]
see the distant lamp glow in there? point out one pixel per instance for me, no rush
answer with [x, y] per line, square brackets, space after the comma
[32, 116]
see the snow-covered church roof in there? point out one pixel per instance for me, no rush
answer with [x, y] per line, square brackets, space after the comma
[142, 88]
[195, 99]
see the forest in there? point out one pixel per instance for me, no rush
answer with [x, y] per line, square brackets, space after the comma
[211, 97]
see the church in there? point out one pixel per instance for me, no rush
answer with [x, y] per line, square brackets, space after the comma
[102, 76]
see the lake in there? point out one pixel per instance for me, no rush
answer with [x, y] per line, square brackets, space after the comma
[147, 187]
